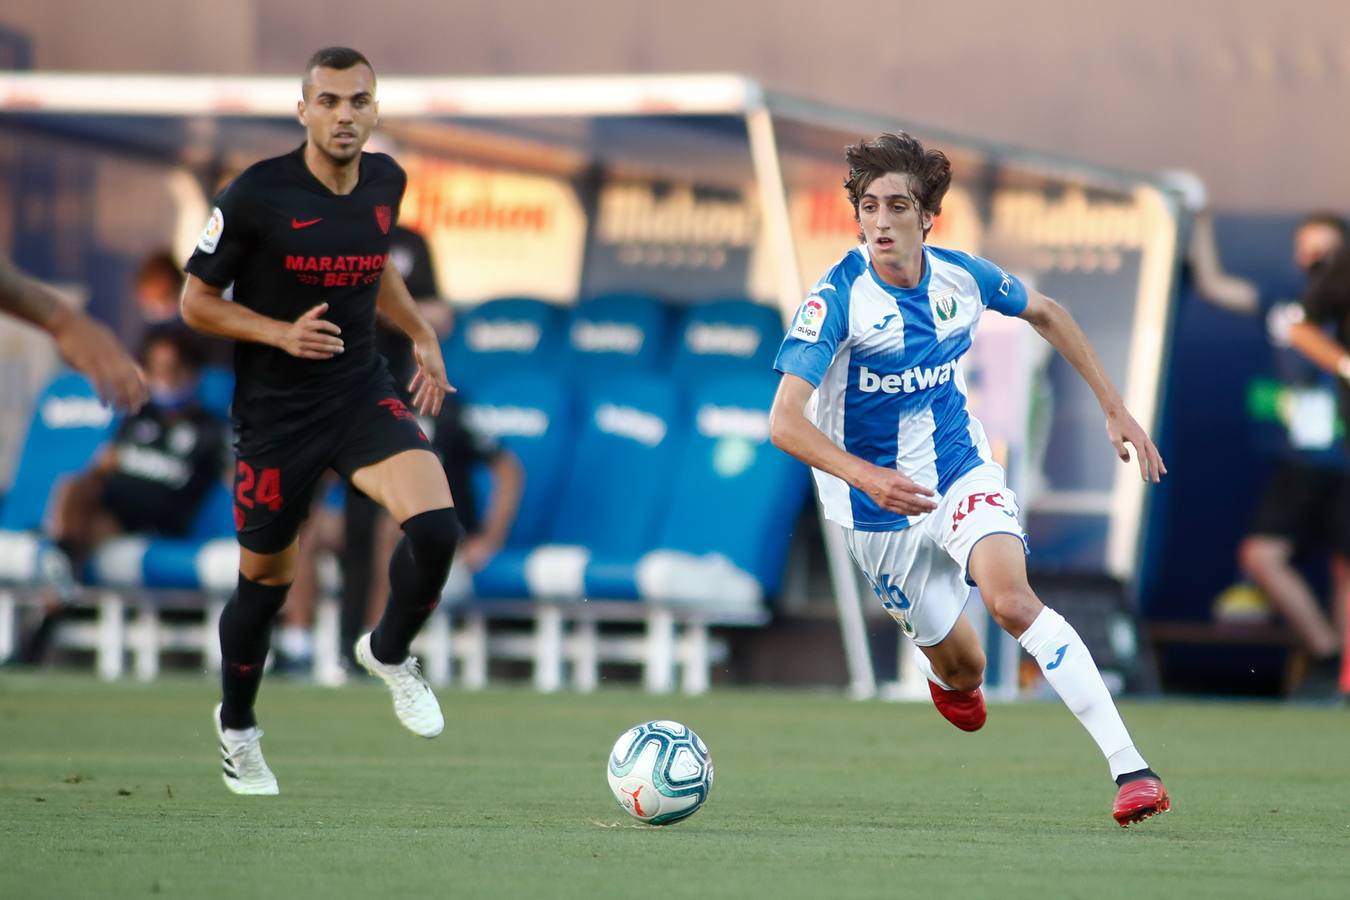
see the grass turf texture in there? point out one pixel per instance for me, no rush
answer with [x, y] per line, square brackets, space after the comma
[114, 791]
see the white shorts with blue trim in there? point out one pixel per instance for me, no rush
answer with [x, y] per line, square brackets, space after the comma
[919, 573]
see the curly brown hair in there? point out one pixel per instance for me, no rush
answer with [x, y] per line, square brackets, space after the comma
[929, 171]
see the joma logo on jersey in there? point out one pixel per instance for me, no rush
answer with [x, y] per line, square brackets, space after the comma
[944, 305]
[919, 378]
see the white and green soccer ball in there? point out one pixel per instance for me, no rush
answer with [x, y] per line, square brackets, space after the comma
[660, 772]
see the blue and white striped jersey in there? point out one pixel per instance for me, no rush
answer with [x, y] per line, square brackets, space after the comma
[886, 365]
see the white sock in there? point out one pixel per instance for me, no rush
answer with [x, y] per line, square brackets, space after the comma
[296, 642]
[926, 667]
[1069, 669]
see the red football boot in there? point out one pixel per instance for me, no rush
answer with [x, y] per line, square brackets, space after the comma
[1140, 798]
[964, 709]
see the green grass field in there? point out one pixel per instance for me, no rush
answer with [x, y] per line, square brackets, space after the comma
[114, 791]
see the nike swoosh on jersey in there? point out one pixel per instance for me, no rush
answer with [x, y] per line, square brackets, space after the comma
[296, 223]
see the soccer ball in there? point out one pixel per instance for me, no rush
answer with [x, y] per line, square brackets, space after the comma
[660, 772]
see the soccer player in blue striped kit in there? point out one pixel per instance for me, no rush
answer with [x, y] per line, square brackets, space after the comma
[872, 397]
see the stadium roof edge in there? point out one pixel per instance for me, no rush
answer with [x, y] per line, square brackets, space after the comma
[155, 94]
[148, 94]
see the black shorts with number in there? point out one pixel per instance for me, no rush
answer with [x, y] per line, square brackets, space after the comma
[274, 487]
[1309, 505]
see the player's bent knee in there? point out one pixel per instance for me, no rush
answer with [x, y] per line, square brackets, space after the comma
[1256, 555]
[271, 569]
[1014, 609]
[434, 534]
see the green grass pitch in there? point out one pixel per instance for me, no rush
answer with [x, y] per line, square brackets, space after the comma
[114, 791]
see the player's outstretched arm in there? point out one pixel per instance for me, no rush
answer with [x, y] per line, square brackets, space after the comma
[1054, 323]
[429, 385]
[308, 337]
[86, 345]
[793, 433]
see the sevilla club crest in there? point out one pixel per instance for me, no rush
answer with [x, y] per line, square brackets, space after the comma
[384, 216]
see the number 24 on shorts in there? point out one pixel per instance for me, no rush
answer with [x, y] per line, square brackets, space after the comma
[268, 487]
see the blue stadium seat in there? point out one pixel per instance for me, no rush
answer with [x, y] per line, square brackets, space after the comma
[69, 423]
[503, 337]
[614, 334]
[609, 509]
[726, 337]
[736, 498]
[533, 419]
[215, 391]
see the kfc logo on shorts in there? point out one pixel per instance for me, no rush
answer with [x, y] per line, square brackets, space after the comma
[969, 504]
[384, 217]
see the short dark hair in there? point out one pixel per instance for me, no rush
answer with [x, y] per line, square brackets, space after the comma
[334, 58]
[1330, 219]
[929, 171]
[160, 264]
[184, 341]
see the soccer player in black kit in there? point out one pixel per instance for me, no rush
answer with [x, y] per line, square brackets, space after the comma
[304, 239]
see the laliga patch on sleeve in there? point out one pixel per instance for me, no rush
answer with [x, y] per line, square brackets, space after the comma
[810, 319]
[215, 227]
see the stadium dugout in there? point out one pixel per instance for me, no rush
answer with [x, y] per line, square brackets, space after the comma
[693, 190]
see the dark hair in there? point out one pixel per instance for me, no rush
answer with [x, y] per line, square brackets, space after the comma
[184, 342]
[929, 171]
[1323, 217]
[160, 264]
[334, 58]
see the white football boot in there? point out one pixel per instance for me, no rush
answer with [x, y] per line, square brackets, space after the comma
[414, 703]
[243, 768]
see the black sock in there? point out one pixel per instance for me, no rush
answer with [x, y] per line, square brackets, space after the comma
[1136, 775]
[245, 637]
[417, 572]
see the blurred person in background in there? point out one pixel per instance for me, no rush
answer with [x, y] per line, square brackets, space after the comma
[84, 344]
[157, 288]
[1306, 505]
[1319, 328]
[151, 478]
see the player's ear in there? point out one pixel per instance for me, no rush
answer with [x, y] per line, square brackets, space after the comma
[300, 112]
[376, 104]
[925, 220]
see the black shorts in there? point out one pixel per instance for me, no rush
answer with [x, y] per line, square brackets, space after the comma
[141, 508]
[274, 489]
[1308, 505]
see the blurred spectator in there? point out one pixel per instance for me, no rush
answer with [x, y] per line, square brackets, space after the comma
[1307, 503]
[1211, 282]
[151, 478]
[157, 288]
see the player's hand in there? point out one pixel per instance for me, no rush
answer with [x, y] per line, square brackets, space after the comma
[310, 337]
[429, 385]
[91, 349]
[1123, 429]
[893, 491]
[476, 551]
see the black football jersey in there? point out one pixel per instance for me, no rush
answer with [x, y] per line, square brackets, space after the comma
[287, 243]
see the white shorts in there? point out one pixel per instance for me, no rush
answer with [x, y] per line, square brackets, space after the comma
[919, 573]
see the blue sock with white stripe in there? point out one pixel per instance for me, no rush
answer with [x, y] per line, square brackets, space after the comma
[1070, 670]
